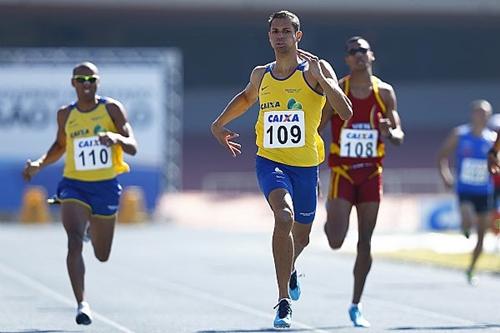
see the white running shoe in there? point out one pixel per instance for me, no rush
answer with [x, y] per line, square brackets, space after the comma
[83, 314]
[86, 235]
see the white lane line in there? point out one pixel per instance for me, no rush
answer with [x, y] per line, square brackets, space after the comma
[320, 289]
[203, 295]
[423, 312]
[20, 277]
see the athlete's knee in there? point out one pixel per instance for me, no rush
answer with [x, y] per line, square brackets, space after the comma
[75, 244]
[334, 239]
[335, 242]
[283, 216]
[301, 241]
[364, 247]
[102, 256]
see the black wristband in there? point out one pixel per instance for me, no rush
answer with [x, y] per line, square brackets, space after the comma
[492, 151]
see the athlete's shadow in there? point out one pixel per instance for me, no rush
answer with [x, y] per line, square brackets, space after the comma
[446, 328]
[260, 330]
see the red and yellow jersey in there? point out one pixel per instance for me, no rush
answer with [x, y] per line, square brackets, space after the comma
[86, 159]
[357, 141]
[288, 121]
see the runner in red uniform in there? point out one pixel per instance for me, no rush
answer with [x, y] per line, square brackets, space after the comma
[355, 160]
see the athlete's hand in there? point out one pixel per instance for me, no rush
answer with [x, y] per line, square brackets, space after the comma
[493, 164]
[108, 138]
[30, 169]
[314, 65]
[385, 126]
[225, 137]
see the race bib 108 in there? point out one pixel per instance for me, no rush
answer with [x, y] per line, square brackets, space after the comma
[89, 154]
[284, 129]
[358, 143]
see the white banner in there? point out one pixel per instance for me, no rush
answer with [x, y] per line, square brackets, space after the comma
[30, 96]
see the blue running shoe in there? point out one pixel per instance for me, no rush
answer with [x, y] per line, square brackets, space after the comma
[283, 317]
[356, 317]
[294, 286]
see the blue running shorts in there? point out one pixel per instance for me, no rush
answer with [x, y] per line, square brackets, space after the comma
[300, 182]
[102, 197]
[483, 203]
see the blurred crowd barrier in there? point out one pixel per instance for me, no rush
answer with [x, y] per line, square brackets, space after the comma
[399, 213]
[396, 181]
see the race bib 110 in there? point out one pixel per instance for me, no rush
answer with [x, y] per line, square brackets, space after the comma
[89, 154]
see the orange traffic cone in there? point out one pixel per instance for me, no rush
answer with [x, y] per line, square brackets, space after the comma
[132, 206]
[34, 207]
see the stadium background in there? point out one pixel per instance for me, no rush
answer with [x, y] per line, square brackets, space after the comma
[439, 56]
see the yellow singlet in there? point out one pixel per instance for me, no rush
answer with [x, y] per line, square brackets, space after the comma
[86, 159]
[289, 116]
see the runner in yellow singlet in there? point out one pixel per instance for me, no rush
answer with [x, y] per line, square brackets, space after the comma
[93, 132]
[292, 92]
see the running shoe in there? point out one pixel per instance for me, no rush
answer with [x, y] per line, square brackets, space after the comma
[86, 235]
[54, 200]
[283, 317]
[471, 277]
[83, 314]
[356, 317]
[294, 286]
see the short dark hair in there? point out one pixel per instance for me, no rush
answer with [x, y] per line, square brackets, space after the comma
[286, 14]
[354, 39]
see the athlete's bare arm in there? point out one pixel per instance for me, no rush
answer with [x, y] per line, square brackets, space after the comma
[234, 109]
[55, 151]
[322, 72]
[328, 112]
[493, 161]
[390, 124]
[447, 149]
[125, 136]
[326, 115]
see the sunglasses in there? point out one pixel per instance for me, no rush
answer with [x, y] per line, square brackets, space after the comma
[356, 50]
[85, 78]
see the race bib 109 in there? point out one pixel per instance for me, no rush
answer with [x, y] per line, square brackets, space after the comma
[358, 143]
[89, 154]
[284, 129]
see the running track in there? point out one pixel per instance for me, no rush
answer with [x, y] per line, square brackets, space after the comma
[170, 278]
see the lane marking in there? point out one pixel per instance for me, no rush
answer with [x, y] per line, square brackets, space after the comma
[424, 312]
[203, 295]
[33, 284]
[319, 288]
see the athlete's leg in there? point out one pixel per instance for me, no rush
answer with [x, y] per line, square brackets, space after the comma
[468, 217]
[300, 232]
[367, 218]
[281, 204]
[338, 208]
[74, 217]
[483, 221]
[338, 211]
[101, 231]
